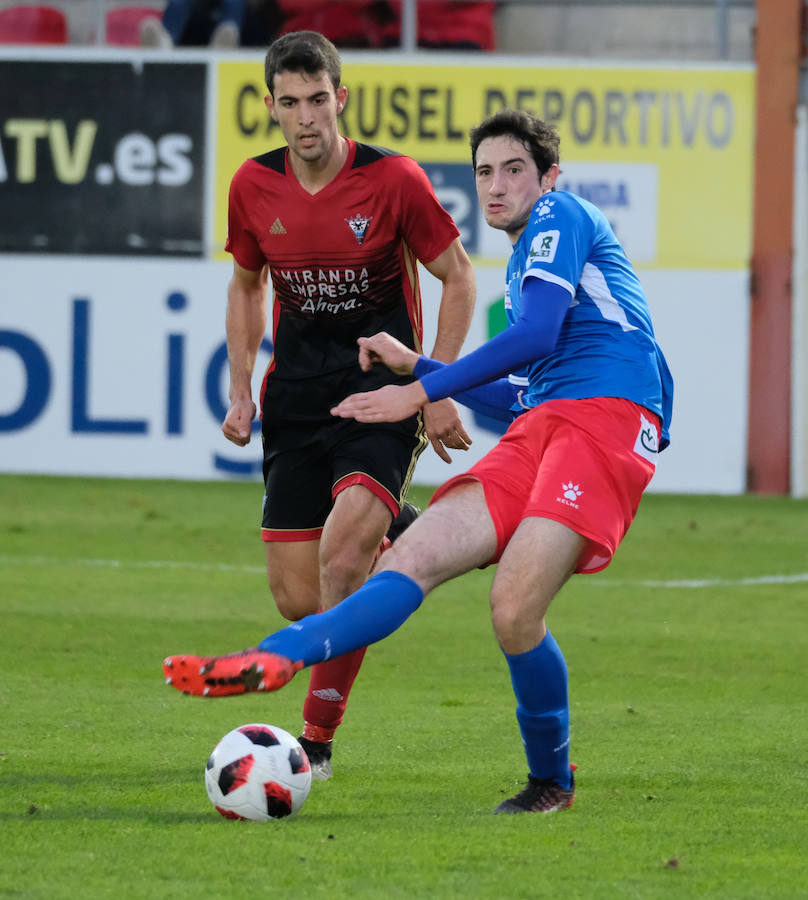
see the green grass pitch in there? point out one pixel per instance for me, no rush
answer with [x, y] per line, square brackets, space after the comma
[688, 664]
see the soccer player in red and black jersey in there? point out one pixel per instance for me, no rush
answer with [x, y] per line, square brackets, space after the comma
[339, 227]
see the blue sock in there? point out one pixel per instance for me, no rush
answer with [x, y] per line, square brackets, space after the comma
[539, 679]
[378, 608]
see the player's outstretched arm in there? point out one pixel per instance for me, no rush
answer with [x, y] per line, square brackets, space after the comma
[391, 403]
[383, 348]
[533, 336]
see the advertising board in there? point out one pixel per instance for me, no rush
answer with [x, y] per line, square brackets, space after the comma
[112, 292]
[665, 153]
[94, 159]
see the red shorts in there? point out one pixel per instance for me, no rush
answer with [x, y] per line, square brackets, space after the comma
[584, 463]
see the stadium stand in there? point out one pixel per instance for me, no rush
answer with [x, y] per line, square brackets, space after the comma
[595, 29]
[33, 25]
[456, 24]
[348, 25]
[449, 25]
[631, 29]
[123, 25]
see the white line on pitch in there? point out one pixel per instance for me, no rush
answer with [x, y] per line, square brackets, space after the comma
[606, 582]
[131, 564]
[799, 578]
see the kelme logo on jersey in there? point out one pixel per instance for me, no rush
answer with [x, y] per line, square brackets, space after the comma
[544, 246]
[359, 226]
[545, 208]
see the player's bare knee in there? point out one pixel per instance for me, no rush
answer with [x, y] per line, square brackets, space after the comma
[507, 616]
[343, 572]
[412, 559]
[292, 605]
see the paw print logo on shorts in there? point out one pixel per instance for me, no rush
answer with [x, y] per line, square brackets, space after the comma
[570, 495]
[571, 491]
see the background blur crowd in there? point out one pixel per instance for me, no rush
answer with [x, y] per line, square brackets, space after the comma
[349, 24]
[227, 24]
[639, 29]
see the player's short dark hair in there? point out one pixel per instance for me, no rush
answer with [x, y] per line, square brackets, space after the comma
[302, 51]
[540, 139]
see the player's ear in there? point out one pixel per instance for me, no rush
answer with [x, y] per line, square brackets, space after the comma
[269, 102]
[549, 178]
[342, 98]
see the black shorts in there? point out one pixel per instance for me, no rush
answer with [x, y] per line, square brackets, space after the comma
[307, 464]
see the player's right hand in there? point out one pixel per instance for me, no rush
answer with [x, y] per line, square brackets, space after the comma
[237, 425]
[384, 348]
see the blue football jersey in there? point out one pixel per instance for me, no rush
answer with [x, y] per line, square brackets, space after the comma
[606, 347]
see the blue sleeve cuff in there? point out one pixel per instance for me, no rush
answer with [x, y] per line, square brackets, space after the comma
[426, 365]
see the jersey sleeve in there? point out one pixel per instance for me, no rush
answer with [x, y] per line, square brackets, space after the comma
[532, 337]
[426, 226]
[241, 241]
[561, 237]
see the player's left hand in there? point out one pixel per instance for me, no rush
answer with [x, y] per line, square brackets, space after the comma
[384, 348]
[391, 403]
[444, 428]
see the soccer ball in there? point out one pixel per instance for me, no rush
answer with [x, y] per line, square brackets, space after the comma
[258, 772]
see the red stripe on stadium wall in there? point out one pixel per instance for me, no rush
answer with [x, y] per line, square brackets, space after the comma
[778, 50]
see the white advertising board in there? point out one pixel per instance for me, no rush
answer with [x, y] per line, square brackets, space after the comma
[701, 319]
[117, 367]
[120, 369]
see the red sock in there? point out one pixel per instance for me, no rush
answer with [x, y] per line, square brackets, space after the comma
[329, 686]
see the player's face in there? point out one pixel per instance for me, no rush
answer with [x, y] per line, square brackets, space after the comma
[508, 183]
[306, 107]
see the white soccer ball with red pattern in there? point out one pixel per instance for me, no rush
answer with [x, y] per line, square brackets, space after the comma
[258, 772]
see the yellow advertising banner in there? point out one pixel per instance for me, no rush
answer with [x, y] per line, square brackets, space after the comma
[666, 153]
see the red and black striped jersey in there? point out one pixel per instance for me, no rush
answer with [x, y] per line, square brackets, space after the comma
[342, 263]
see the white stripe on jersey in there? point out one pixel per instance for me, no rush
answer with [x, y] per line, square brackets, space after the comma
[553, 279]
[593, 282]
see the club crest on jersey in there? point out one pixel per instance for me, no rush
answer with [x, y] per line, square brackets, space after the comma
[647, 441]
[359, 226]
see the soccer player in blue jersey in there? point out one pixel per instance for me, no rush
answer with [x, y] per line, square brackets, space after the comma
[581, 375]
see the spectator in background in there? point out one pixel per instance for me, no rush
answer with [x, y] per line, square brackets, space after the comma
[223, 24]
[451, 25]
[350, 24]
[369, 24]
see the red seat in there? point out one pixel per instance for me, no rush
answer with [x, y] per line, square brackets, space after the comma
[33, 25]
[123, 24]
[351, 23]
[460, 25]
